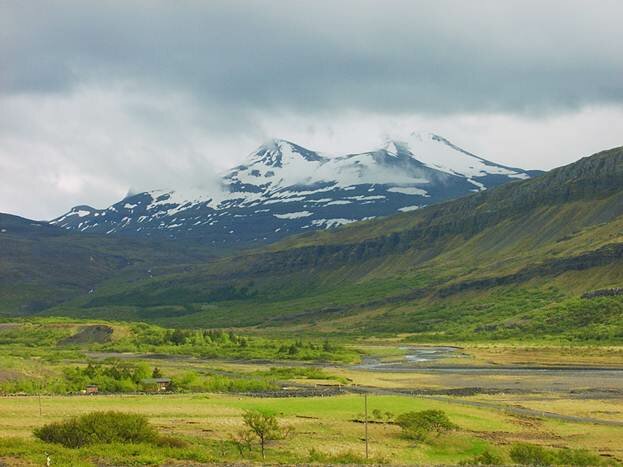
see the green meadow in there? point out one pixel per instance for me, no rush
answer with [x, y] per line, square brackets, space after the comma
[327, 428]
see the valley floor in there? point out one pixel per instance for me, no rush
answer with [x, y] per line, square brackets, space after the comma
[555, 409]
[497, 394]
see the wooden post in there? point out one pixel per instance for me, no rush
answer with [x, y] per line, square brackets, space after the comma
[365, 398]
[40, 388]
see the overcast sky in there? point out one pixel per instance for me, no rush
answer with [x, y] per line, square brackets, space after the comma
[97, 98]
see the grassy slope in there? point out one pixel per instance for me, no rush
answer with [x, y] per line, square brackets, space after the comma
[505, 263]
[41, 265]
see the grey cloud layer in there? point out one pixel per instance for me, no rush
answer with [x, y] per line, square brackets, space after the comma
[381, 56]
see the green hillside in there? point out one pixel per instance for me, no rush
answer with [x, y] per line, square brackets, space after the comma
[506, 263]
[41, 265]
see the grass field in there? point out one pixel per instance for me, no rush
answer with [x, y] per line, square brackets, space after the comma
[209, 421]
[496, 409]
[522, 354]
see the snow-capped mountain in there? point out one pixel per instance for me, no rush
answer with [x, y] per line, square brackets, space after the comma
[283, 188]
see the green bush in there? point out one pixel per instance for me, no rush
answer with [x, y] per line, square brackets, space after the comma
[116, 376]
[193, 381]
[99, 428]
[486, 458]
[529, 454]
[418, 425]
[578, 457]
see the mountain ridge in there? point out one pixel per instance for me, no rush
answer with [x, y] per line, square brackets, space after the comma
[283, 188]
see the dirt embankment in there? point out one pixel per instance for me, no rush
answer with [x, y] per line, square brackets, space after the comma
[95, 334]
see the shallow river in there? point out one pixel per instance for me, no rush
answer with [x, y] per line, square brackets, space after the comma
[423, 366]
[415, 358]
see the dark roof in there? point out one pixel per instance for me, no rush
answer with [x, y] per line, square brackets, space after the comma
[155, 380]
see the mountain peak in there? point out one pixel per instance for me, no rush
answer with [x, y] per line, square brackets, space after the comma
[396, 148]
[279, 152]
[422, 136]
[274, 144]
[268, 153]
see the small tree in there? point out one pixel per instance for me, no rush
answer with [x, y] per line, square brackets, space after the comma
[243, 440]
[178, 337]
[418, 425]
[264, 426]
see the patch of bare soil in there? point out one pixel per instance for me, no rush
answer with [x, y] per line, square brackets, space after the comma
[96, 334]
[506, 437]
[13, 462]
[6, 375]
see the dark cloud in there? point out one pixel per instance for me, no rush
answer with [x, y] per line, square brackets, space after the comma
[382, 56]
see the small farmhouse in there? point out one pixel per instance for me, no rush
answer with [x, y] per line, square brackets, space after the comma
[156, 384]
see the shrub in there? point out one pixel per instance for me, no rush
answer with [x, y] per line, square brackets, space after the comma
[113, 377]
[418, 425]
[99, 428]
[529, 454]
[192, 381]
[578, 457]
[486, 458]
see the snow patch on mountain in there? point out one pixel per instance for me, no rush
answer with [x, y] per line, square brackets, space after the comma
[331, 223]
[408, 191]
[409, 208]
[293, 215]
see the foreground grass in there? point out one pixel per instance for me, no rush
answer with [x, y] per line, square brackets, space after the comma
[320, 425]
